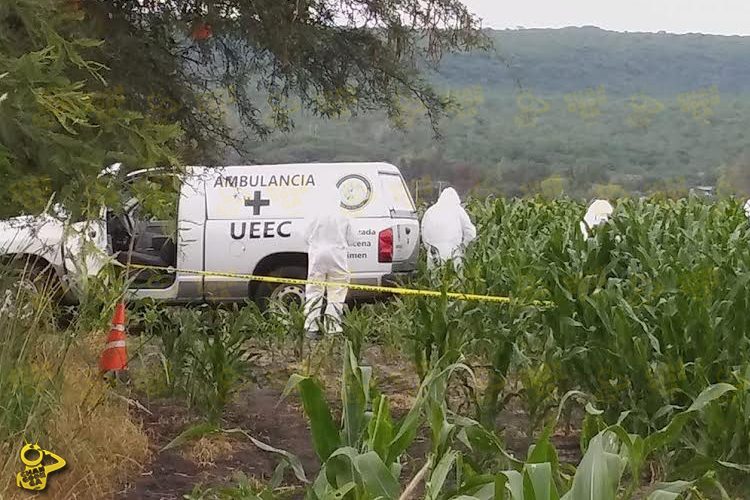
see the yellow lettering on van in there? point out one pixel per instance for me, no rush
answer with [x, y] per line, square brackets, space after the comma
[288, 198]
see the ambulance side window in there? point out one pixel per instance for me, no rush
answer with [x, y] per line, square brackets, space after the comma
[397, 195]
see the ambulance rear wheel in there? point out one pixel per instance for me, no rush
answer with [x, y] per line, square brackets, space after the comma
[283, 293]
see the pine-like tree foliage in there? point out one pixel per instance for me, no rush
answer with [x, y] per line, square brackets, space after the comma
[60, 120]
[89, 82]
[185, 59]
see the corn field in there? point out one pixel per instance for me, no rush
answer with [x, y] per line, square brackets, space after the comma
[633, 341]
[647, 319]
[644, 325]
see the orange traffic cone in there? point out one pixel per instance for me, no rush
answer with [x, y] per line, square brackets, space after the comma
[115, 356]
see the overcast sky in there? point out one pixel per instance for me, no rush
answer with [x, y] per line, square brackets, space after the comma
[722, 17]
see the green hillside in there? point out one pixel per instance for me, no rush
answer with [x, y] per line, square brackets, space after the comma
[569, 59]
[597, 111]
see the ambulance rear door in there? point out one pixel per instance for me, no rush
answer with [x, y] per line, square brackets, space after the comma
[403, 215]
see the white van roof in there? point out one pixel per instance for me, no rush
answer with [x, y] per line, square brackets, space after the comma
[381, 166]
[198, 169]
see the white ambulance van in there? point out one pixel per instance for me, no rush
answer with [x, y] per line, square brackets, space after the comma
[237, 219]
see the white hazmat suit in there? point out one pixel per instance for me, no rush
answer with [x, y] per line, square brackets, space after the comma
[328, 237]
[747, 208]
[446, 229]
[598, 213]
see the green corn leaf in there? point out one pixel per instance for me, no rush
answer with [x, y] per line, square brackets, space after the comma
[407, 431]
[376, 477]
[278, 475]
[477, 437]
[539, 482]
[432, 389]
[353, 399]
[324, 433]
[514, 484]
[663, 495]
[669, 491]
[591, 410]
[439, 474]
[327, 492]
[598, 475]
[672, 430]
[380, 429]
[543, 452]
[340, 493]
[738, 467]
[710, 394]
[192, 433]
[501, 492]
[320, 485]
[483, 492]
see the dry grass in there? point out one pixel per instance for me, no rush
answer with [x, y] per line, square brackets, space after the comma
[207, 449]
[88, 425]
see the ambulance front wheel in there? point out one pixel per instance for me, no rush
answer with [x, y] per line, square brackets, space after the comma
[282, 292]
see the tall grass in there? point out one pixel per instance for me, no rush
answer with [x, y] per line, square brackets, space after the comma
[51, 392]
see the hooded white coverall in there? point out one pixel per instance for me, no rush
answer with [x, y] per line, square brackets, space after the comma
[446, 229]
[747, 208]
[328, 237]
[598, 213]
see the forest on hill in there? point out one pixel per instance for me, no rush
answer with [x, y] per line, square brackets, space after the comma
[578, 110]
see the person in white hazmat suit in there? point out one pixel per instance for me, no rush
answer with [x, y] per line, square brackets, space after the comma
[328, 237]
[446, 230]
[747, 208]
[598, 213]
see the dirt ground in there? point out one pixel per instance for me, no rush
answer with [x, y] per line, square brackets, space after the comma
[213, 461]
[257, 408]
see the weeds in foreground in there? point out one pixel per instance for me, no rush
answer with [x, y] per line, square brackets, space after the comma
[51, 393]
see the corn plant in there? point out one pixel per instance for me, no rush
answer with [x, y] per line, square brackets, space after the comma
[723, 436]
[217, 357]
[601, 475]
[203, 351]
[644, 314]
[357, 324]
[280, 323]
[362, 458]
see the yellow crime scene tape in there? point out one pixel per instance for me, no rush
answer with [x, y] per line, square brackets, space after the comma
[352, 286]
